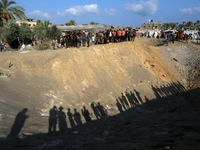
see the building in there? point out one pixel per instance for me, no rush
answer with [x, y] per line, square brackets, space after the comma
[30, 22]
[152, 26]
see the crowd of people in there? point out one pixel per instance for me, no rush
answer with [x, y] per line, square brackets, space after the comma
[83, 38]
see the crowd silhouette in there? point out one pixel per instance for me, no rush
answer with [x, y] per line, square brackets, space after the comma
[132, 99]
[61, 119]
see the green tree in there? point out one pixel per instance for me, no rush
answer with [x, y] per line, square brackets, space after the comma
[172, 25]
[15, 34]
[68, 24]
[92, 23]
[72, 22]
[41, 28]
[53, 32]
[189, 24]
[166, 26]
[25, 33]
[8, 12]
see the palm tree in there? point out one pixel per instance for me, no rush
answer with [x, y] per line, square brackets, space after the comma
[8, 12]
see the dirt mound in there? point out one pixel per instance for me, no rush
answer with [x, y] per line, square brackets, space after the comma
[96, 77]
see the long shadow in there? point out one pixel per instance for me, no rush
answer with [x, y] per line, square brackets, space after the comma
[86, 114]
[18, 124]
[53, 119]
[162, 93]
[77, 118]
[134, 98]
[95, 110]
[101, 110]
[164, 42]
[62, 120]
[195, 43]
[70, 117]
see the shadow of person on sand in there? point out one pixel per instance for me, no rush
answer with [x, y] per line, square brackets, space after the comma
[101, 110]
[119, 106]
[70, 117]
[62, 119]
[77, 117]
[18, 124]
[95, 110]
[53, 119]
[86, 114]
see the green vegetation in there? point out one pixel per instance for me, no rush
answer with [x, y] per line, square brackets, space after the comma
[183, 26]
[8, 12]
[93, 23]
[16, 35]
[70, 23]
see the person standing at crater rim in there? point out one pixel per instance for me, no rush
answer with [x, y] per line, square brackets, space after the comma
[133, 35]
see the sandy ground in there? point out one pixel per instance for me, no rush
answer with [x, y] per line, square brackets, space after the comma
[148, 78]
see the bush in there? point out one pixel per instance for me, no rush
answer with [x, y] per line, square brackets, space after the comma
[43, 45]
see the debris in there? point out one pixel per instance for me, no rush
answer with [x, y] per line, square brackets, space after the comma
[27, 134]
[24, 52]
[139, 110]
[164, 75]
[83, 88]
[50, 144]
[4, 75]
[106, 133]
[167, 147]
[75, 132]
[23, 47]
[175, 59]
[10, 65]
[184, 81]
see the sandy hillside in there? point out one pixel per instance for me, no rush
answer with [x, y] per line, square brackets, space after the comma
[138, 71]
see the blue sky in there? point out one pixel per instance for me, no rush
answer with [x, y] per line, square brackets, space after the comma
[130, 13]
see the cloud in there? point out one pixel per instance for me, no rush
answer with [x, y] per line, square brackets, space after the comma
[38, 13]
[79, 10]
[143, 8]
[110, 11]
[190, 11]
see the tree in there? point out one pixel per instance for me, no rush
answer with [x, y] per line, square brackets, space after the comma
[172, 25]
[15, 34]
[25, 33]
[53, 32]
[166, 26]
[8, 12]
[72, 22]
[68, 24]
[41, 28]
[189, 23]
[92, 23]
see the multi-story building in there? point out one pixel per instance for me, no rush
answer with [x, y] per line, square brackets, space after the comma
[30, 22]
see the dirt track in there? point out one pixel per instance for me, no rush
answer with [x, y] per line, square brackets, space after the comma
[73, 78]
